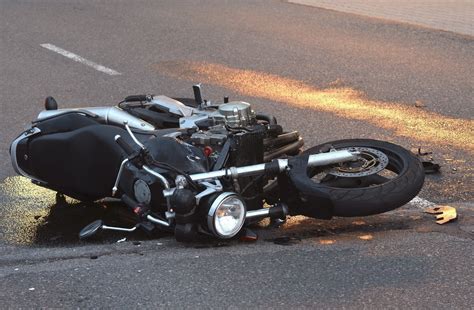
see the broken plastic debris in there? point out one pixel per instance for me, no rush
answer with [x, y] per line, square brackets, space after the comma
[444, 214]
[430, 168]
[248, 235]
[122, 240]
[366, 237]
[326, 241]
[420, 153]
[420, 104]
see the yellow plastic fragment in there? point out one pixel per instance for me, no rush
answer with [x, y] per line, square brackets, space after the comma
[327, 241]
[444, 214]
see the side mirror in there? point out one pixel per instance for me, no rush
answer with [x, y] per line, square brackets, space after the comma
[90, 230]
[198, 94]
[50, 103]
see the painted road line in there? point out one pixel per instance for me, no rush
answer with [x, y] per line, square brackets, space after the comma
[80, 59]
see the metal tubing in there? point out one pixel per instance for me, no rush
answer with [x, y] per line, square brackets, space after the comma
[105, 227]
[157, 221]
[109, 115]
[163, 180]
[257, 213]
[127, 127]
[321, 159]
[209, 175]
[334, 157]
[119, 174]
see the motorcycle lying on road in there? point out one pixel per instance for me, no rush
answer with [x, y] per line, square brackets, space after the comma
[197, 168]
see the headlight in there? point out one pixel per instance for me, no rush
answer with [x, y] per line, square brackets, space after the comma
[226, 215]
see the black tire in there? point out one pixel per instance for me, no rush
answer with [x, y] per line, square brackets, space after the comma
[365, 199]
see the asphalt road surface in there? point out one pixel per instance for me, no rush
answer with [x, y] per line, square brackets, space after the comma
[330, 75]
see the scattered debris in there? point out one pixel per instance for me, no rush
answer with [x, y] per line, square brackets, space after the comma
[366, 237]
[327, 241]
[285, 240]
[276, 223]
[420, 104]
[444, 214]
[122, 240]
[428, 165]
[336, 83]
[248, 235]
[31, 289]
[430, 168]
[420, 153]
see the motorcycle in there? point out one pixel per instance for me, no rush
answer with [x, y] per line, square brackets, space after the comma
[197, 169]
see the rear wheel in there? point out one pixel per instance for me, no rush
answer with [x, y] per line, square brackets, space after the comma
[386, 176]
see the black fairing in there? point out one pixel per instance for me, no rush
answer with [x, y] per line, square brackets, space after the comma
[183, 156]
[79, 157]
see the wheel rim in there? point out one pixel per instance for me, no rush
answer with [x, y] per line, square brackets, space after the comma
[376, 166]
[370, 161]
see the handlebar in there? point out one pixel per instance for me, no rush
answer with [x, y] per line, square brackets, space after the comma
[137, 98]
[128, 149]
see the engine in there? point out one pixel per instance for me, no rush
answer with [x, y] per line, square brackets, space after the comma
[215, 127]
[237, 114]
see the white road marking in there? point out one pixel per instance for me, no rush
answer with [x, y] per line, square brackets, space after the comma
[80, 59]
[421, 203]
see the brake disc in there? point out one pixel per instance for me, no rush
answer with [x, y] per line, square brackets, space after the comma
[370, 161]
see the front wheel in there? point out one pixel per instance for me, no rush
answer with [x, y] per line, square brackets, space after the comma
[386, 176]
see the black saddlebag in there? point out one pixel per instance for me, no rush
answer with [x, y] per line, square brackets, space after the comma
[72, 154]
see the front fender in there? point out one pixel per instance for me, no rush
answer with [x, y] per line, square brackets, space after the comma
[302, 194]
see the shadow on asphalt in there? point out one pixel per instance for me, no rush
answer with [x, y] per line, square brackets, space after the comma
[31, 215]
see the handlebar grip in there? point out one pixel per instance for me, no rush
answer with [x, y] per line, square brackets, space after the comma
[136, 98]
[124, 145]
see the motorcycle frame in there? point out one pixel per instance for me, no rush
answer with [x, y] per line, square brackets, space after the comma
[210, 180]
